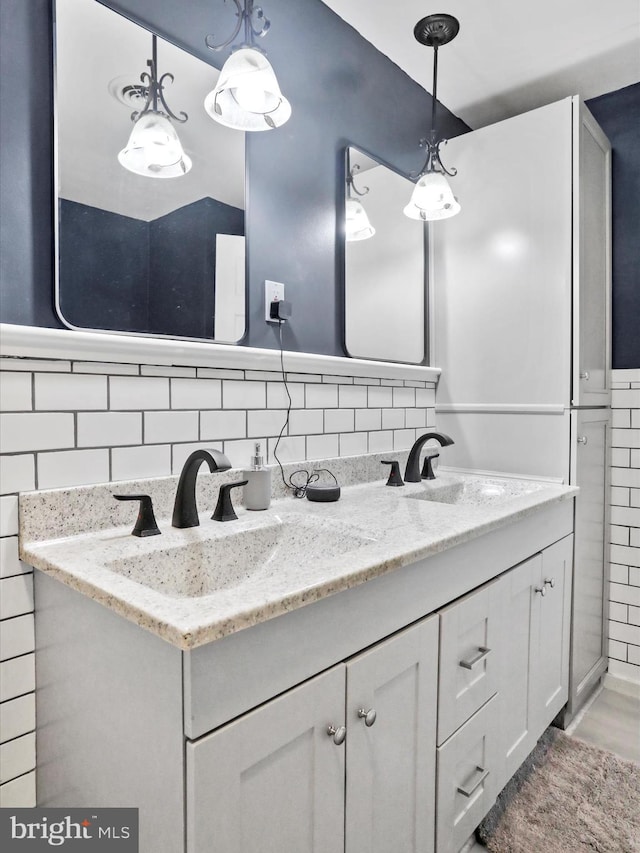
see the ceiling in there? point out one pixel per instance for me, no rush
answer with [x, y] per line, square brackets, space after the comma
[510, 55]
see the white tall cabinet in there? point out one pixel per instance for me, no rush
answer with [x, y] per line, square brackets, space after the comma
[520, 326]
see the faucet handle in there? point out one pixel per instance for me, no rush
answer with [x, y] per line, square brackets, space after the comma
[146, 524]
[224, 510]
[427, 467]
[395, 477]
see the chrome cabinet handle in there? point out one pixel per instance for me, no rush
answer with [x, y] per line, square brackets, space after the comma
[477, 778]
[582, 439]
[541, 589]
[369, 716]
[483, 651]
[584, 374]
[338, 734]
[550, 582]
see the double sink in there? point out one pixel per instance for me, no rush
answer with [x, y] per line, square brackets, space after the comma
[234, 555]
[193, 586]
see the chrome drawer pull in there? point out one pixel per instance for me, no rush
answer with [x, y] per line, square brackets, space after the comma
[550, 582]
[483, 651]
[584, 374]
[338, 734]
[472, 786]
[582, 439]
[541, 589]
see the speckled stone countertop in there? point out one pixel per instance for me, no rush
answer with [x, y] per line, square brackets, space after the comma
[194, 586]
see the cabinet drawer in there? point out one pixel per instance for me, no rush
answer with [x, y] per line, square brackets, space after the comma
[469, 668]
[466, 778]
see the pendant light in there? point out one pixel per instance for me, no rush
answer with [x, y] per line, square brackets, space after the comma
[154, 149]
[247, 95]
[432, 197]
[357, 225]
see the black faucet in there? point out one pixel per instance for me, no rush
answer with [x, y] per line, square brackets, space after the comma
[185, 511]
[412, 471]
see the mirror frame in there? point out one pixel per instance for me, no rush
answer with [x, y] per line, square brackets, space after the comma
[342, 244]
[56, 199]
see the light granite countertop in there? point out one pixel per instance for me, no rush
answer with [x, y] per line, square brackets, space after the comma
[194, 586]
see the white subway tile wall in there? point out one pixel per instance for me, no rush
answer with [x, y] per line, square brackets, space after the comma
[73, 423]
[624, 594]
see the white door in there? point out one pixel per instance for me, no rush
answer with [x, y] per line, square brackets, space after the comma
[589, 470]
[502, 267]
[549, 684]
[517, 737]
[273, 780]
[591, 260]
[391, 722]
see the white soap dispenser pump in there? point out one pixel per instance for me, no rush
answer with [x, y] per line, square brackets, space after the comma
[257, 492]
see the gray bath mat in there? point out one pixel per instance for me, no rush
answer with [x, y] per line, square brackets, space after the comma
[570, 798]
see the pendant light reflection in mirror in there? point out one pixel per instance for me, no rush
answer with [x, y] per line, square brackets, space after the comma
[154, 149]
[432, 198]
[357, 224]
[247, 95]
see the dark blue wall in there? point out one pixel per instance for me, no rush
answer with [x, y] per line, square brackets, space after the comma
[618, 113]
[342, 91]
[182, 264]
[26, 199]
[104, 262]
[131, 275]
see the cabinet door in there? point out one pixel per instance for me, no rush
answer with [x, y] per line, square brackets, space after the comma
[517, 737]
[273, 780]
[391, 763]
[501, 324]
[591, 260]
[589, 470]
[468, 657]
[549, 684]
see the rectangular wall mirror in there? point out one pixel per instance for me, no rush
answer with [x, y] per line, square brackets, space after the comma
[151, 255]
[385, 272]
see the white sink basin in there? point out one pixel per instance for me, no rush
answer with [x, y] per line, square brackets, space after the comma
[227, 560]
[476, 491]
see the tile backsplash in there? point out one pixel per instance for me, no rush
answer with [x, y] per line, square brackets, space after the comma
[624, 595]
[68, 423]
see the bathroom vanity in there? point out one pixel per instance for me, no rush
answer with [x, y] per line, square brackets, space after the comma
[370, 696]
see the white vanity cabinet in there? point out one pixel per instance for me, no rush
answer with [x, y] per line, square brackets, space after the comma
[504, 676]
[345, 762]
[237, 745]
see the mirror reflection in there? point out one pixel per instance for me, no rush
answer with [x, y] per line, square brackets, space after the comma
[385, 265]
[145, 244]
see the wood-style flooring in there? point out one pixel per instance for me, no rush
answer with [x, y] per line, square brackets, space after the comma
[612, 722]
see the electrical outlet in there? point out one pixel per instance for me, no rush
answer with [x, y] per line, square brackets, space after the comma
[273, 290]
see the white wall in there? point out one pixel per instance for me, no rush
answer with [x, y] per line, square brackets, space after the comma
[67, 423]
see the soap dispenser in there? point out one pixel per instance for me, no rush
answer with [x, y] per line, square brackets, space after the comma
[257, 492]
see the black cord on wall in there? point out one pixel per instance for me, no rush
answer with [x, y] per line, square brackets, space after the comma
[299, 489]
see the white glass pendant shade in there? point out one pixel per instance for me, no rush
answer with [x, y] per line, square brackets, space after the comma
[247, 95]
[432, 199]
[357, 222]
[154, 149]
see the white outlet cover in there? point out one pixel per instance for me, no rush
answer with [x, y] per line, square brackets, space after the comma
[273, 290]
